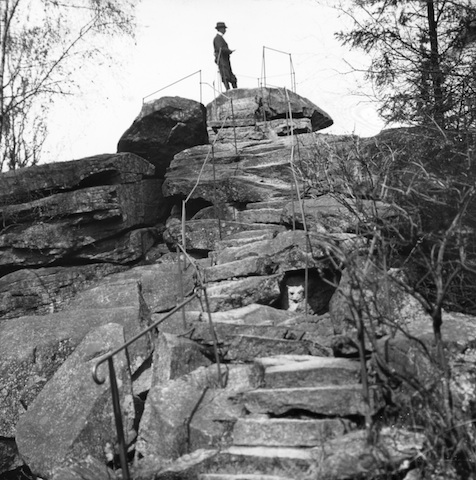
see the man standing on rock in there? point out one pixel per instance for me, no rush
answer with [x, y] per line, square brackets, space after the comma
[222, 57]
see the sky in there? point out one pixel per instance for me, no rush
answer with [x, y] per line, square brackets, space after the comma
[174, 41]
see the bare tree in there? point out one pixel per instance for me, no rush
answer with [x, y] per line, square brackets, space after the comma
[421, 62]
[43, 44]
[424, 251]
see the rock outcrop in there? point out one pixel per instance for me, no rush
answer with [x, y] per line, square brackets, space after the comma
[80, 421]
[98, 209]
[260, 373]
[163, 128]
[257, 112]
[33, 348]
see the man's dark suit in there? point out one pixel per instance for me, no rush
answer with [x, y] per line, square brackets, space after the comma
[222, 59]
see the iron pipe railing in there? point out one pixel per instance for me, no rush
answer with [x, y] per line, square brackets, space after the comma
[110, 356]
[291, 67]
[207, 309]
[113, 382]
[301, 205]
[174, 83]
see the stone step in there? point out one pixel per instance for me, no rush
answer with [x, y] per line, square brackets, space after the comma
[287, 432]
[248, 236]
[277, 249]
[276, 203]
[290, 463]
[206, 233]
[240, 476]
[343, 457]
[306, 371]
[246, 348]
[238, 268]
[255, 314]
[333, 400]
[260, 215]
[198, 328]
[230, 294]
[319, 324]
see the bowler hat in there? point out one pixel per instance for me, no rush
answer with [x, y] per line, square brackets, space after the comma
[221, 25]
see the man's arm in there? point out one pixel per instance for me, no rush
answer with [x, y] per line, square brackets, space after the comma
[220, 45]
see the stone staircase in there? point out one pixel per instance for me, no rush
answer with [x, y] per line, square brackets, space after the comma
[289, 408]
[304, 401]
[304, 398]
[292, 406]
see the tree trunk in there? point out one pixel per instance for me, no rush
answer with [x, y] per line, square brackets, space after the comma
[3, 44]
[435, 69]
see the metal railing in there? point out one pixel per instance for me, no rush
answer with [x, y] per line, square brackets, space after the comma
[262, 80]
[201, 289]
[109, 358]
[292, 72]
[199, 72]
[301, 206]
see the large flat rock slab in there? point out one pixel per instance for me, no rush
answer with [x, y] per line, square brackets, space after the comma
[84, 210]
[229, 131]
[98, 202]
[46, 290]
[293, 371]
[334, 400]
[287, 432]
[257, 172]
[246, 106]
[253, 314]
[68, 224]
[249, 236]
[231, 294]
[34, 347]
[25, 184]
[126, 248]
[197, 328]
[159, 286]
[73, 416]
[241, 476]
[246, 348]
[204, 234]
[344, 457]
[288, 250]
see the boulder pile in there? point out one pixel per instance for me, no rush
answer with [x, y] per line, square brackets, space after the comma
[259, 375]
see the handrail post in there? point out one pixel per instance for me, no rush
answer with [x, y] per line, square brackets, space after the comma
[184, 241]
[180, 282]
[234, 125]
[263, 69]
[214, 337]
[301, 205]
[118, 419]
[215, 201]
